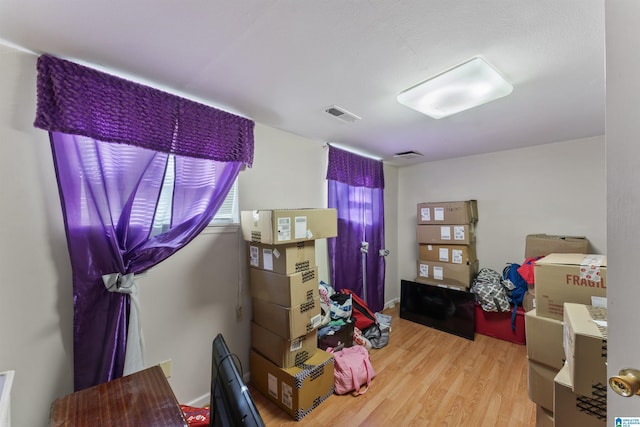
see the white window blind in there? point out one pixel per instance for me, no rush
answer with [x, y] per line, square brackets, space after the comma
[227, 214]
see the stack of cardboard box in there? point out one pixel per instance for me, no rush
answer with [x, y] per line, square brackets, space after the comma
[447, 249]
[283, 279]
[563, 280]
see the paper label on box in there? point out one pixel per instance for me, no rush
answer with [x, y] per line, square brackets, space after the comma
[276, 253]
[267, 259]
[301, 227]
[295, 345]
[254, 256]
[284, 229]
[443, 255]
[456, 256]
[600, 302]
[438, 214]
[272, 381]
[438, 273]
[445, 233]
[458, 232]
[315, 321]
[424, 270]
[425, 214]
[590, 267]
[287, 395]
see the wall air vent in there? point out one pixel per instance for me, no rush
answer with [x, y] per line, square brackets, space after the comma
[407, 155]
[342, 114]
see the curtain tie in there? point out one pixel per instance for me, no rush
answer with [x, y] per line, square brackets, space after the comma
[134, 354]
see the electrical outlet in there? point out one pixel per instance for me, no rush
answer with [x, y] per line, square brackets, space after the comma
[166, 368]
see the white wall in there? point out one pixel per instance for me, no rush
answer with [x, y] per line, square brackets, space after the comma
[35, 286]
[555, 189]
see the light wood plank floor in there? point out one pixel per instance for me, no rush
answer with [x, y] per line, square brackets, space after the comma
[426, 377]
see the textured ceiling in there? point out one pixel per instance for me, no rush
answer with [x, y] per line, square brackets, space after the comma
[282, 63]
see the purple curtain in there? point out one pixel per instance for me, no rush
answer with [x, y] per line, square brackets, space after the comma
[110, 191]
[356, 188]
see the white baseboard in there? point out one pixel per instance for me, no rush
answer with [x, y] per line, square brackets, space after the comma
[392, 303]
[200, 402]
[205, 399]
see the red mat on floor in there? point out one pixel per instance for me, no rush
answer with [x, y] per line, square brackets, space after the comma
[196, 417]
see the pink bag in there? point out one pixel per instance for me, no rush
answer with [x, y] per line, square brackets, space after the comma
[352, 370]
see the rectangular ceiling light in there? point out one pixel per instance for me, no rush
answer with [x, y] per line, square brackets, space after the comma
[465, 86]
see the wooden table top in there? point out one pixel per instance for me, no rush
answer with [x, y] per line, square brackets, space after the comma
[144, 398]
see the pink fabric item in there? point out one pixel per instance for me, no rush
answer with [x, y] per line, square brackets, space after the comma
[352, 370]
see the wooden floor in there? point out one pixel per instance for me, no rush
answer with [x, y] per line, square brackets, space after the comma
[426, 377]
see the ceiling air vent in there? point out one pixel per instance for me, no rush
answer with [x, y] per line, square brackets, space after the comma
[407, 155]
[342, 114]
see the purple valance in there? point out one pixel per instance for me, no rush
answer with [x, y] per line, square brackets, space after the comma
[354, 170]
[78, 100]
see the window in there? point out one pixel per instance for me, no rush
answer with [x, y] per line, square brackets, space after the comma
[227, 214]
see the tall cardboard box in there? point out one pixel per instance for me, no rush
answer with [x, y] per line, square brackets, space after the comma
[463, 212]
[286, 290]
[585, 343]
[544, 340]
[454, 254]
[537, 245]
[561, 278]
[458, 275]
[463, 234]
[283, 352]
[571, 409]
[282, 259]
[540, 384]
[296, 390]
[544, 418]
[288, 322]
[280, 226]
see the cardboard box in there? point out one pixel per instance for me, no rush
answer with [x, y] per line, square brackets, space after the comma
[529, 301]
[544, 340]
[561, 278]
[286, 290]
[288, 322]
[454, 254]
[465, 212]
[283, 352]
[544, 418]
[458, 275]
[296, 390]
[279, 226]
[571, 409]
[282, 259]
[537, 245]
[585, 344]
[464, 234]
[540, 382]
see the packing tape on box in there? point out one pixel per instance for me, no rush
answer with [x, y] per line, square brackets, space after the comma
[590, 267]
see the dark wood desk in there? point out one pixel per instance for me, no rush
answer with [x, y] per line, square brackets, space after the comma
[141, 399]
